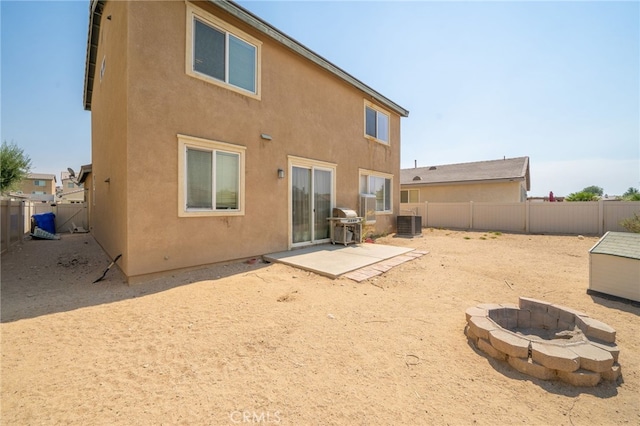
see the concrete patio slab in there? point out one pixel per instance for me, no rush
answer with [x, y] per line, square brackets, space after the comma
[335, 260]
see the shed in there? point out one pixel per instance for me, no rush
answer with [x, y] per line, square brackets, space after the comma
[614, 265]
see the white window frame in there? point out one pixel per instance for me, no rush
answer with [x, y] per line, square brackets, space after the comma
[363, 173]
[409, 192]
[218, 24]
[379, 111]
[185, 142]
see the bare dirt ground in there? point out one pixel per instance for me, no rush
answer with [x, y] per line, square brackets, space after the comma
[270, 344]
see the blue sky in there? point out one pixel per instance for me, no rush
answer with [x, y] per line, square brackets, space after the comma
[555, 81]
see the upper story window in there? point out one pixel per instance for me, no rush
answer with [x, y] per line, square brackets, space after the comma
[221, 54]
[376, 123]
[39, 183]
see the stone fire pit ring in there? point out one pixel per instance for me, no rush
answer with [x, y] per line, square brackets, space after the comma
[546, 341]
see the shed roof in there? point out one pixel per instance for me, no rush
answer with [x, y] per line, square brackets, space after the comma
[621, 244]
[95, 16]
[507, 169]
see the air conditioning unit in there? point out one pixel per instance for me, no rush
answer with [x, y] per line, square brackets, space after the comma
[368, 208]
[409, 226]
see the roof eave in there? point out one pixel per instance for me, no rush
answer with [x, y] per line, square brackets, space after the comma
[465, 182]
[95, 16]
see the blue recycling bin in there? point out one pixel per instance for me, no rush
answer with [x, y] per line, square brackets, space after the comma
[45, 221]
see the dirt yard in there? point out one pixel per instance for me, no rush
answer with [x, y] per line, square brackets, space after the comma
[269, 344]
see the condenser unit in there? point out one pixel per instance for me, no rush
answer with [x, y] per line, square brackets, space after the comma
[409, 226]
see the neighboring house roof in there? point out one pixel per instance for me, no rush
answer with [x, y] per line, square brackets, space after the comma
[508, 169]
[83, 173]
[42, 176]
[95, 16]
[621, 244]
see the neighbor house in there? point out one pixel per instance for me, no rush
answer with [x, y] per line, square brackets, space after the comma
[216, 137]
[38, 187]
[71, 191]
[505, 180]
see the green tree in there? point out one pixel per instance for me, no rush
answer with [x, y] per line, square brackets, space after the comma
[632, 224]
[582, 196]
[14, 166]
[632, 194]
[594, 190]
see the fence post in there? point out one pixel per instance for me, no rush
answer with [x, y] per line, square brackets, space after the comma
[600, 217]
[470, 214]
[425, 224]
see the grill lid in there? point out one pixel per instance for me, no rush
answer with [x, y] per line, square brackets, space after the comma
[343, 212]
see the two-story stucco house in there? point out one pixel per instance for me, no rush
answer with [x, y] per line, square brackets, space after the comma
[38, 187]
[216, 137]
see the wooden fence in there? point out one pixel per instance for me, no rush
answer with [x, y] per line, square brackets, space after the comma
[587, 218]
[16, 218]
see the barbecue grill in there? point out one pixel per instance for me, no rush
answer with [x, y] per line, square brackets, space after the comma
[345, 226]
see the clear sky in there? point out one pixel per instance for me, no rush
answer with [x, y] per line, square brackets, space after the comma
[556, 81]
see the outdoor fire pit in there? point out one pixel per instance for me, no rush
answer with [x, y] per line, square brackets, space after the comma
[546, 341]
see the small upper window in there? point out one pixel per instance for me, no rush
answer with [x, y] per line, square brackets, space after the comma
[39, 183]
[376, 123]
[222, 54]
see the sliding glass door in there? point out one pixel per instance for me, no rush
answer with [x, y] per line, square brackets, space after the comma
[311, 203]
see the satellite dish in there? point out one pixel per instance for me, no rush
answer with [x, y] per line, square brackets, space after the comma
[72, 174]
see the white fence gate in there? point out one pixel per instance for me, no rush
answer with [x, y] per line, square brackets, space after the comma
[16, 218]
[588, 218]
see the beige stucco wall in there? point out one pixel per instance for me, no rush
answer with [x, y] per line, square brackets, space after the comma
[308, 112]
[496, 192]
[109, 128]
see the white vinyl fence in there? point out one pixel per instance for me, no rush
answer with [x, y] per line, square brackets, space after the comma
[16, 218]
[588, 218]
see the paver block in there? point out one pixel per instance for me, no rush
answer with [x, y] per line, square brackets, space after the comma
[611, 348]
[505, 317]
[593, 358]
[509, 343]
[510, 305]
[481, 326]
[533, 305]
[528, 366]
[524, 318]
[471, 335]
[486, 347]
[475, 312]
[563, 325]
[580, 377]
[550, 322]
[555, 357]
[612, 374]
[596, 329]
[488, 306]
[554, 311]
[568, 314]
